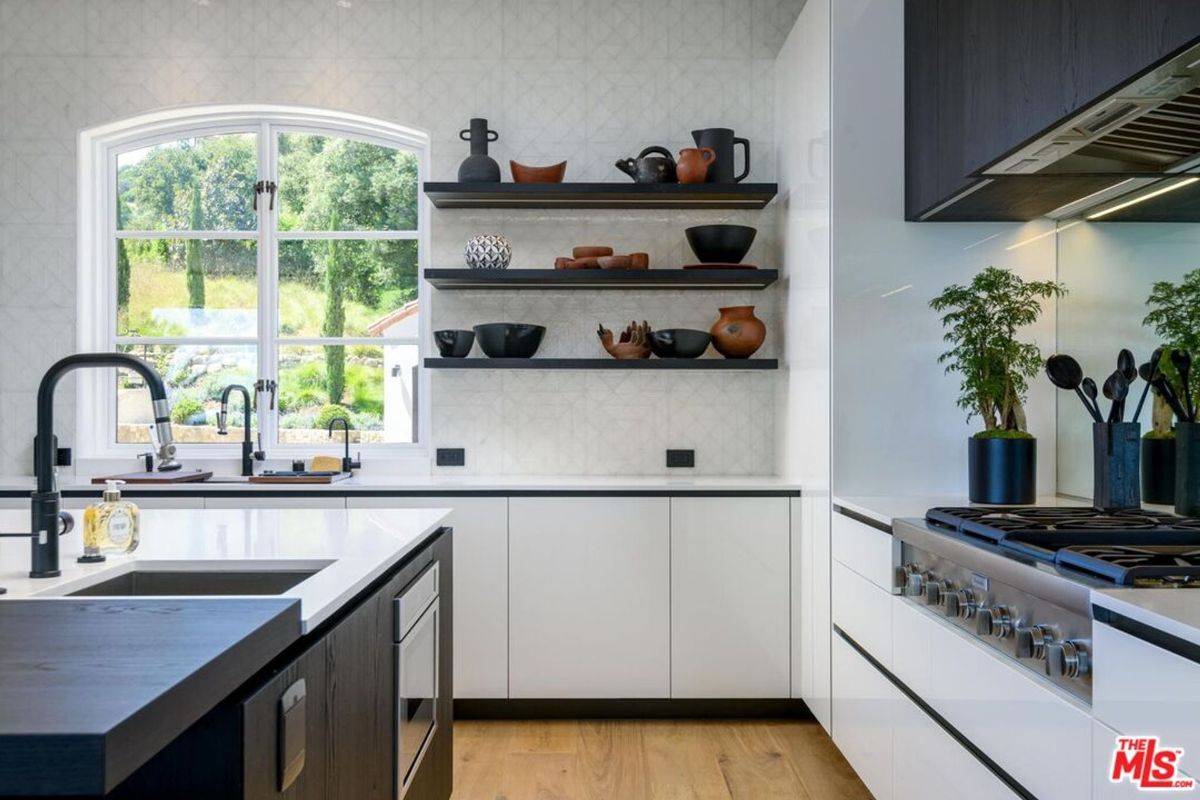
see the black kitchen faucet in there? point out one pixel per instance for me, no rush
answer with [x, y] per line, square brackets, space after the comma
[348, 464]
[49, 522]
[249, 454]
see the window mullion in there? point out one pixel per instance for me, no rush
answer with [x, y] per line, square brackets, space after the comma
[268, 413]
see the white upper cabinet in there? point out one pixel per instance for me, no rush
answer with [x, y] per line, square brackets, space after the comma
[589, 598]
[730, 599]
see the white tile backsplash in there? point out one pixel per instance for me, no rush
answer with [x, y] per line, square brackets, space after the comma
[589, 81]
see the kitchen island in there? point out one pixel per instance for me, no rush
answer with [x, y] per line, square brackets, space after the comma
[234, 654]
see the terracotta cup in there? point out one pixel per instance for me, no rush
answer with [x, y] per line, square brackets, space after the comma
[693, 164]
[738, 333]
[639, 261]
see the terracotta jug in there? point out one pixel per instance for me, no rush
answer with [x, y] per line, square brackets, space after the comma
[738, 333]
[693, 163]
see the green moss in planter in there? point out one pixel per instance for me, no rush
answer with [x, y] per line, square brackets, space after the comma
[1002, 434]
[1160, 434]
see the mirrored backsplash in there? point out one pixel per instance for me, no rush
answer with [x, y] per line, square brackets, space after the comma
[1110, 269]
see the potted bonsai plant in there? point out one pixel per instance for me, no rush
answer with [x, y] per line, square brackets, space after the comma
[981, 321]
[1175, 318]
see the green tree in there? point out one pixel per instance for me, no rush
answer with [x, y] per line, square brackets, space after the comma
[334, 324]
[195, 269]
[983, 319]
[1175, 319]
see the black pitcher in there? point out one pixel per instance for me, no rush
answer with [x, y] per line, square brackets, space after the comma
[1187, 469]
[478, 167]
[722, 141]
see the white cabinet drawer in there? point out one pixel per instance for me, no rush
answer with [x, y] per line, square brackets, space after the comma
[77, 503]
[1017, 721]
[1140, 689]
[862, 718]
[589, 597]
[866, 550]
[864, 612]
[929, 764]
[730, 584]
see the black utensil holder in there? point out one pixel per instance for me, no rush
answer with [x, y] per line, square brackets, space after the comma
[1187, 469]
[1158, 471]
[1116, 459]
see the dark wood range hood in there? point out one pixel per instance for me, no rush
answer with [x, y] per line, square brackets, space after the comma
[1061, 108]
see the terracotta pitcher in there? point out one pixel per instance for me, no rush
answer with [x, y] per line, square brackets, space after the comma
[738, 333]
[693, 164]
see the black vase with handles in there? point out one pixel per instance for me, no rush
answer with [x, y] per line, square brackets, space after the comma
[1002, 472]
[722, 141]
[478, 167]
[1158, 471]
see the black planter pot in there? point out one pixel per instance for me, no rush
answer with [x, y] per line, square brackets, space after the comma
[1116, 458]
[1187, 469]
[1158, 471]
[1002, 471]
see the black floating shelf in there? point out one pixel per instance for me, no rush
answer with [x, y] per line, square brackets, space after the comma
[601, 278]
[722, 364]
[600, 195]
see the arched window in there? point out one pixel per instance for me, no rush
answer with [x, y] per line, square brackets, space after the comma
[275, 248]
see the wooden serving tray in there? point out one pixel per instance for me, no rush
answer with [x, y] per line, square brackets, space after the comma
[179, 476]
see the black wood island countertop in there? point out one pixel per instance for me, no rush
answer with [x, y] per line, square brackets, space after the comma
[91, 689]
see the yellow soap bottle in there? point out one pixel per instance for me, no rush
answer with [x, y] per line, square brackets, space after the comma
[110, 525]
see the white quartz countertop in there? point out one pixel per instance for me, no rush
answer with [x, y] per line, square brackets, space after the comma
[450, 484]
[887, 508]
[1173, 611]
[351, 547]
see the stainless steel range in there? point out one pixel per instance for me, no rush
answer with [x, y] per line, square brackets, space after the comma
[1019, 579]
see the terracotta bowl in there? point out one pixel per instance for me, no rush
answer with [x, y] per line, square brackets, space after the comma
[639, 261]
[551, 174]
[591, 251]
[615, 262]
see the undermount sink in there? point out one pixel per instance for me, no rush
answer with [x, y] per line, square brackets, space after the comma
[188, 583]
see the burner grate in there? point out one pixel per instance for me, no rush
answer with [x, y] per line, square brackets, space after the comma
[1125, 547]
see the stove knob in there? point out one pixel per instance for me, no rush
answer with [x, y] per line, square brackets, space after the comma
[915, 585]
[1068, 659]
[934, 592]
[1032, 641]
[994, 621]
[960, 604]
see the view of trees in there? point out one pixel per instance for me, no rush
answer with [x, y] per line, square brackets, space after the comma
[328, 288]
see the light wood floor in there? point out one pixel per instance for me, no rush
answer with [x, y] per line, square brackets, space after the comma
[651, 759]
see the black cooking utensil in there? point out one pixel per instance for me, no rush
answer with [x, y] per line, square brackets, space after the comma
[1146, 373]
[1182, 361]
[1065, 373]
[1162, 387]
[1089, 389]
[1128, 367]
[1119, 390]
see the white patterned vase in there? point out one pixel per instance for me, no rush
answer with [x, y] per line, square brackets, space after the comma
[488, 252]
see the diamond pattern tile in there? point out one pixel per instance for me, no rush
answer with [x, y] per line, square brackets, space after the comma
[588, 81]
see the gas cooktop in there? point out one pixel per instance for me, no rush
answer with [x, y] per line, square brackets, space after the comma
[1128, 548]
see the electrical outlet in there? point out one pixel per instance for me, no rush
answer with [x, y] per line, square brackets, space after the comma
[451, 457]
[681, 458]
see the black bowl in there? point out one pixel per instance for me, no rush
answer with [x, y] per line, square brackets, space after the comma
[722, 244]
[509, 339]
[454, 344]
[679, 343]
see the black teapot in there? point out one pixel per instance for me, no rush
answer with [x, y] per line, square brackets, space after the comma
[647, 168]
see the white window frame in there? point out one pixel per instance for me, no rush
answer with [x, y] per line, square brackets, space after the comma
[96, 274]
